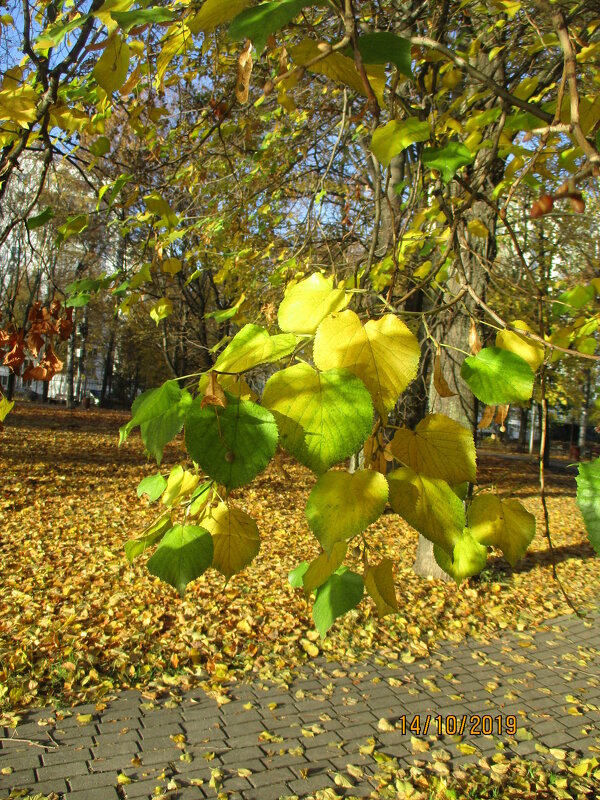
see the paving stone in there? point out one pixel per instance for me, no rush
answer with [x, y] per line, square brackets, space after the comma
[19, 779]
[105, 793]
[110, 764]
[241, 755]
[160, 755]
[271, 776]
[307, 786]
[126, 746]
[20, 760]
[80, 783]
[57, 785]
[62, 770]
[66, 755]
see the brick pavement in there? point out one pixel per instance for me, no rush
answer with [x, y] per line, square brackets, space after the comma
[336, 723]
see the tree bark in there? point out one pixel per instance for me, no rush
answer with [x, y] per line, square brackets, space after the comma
[108, 370]
[70, 399]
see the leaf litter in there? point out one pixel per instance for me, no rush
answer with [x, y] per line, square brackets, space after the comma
[81, 623]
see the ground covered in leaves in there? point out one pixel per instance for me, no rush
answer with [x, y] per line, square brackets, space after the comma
[80, 622]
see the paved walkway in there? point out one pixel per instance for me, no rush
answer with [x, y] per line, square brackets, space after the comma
[337, 726]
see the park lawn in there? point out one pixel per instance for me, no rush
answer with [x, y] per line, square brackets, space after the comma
[79, 622]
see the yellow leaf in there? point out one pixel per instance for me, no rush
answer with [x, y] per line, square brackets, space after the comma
[244, 773]
[477, 228]
[530, 351]
[324, 565]
[379, 583]
[385, 725]
[341, 68]
[5, 407]
[310, 648]
[307, 303]
[419, 745]
[111, 70]
[502, 523]
[384, 354]
[123, 780]
[161, 309]
[342, 504]
[214, 13]
[439, 447]
[235, 538]
[171, 266]
[84, 719]
[559, 755]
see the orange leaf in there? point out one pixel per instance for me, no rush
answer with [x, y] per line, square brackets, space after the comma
[474, 340]
[214, 395]
[488, 416]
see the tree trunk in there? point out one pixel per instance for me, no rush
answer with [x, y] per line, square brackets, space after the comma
[108, 369]
[10, 386]
[70, 399]
[83, 332]
[523, 429]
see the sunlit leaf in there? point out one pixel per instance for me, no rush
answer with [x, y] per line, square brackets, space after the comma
[307, 303]
[497, 376]
[252, 346]
[322, 417]
[111, 69]
[235, 536]
[153, 486]
[394, 137]
[324, 565]
[429, 505]
[343, 504]
[469, 557]
[379, 583]
[384, 354]
[505, 524]
[439, 447]
[588, 499]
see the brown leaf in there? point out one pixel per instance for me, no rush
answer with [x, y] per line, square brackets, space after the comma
[214, 395]
[440, 383]
[501, 414]
[488, 416]
[474, 340]
[244, 71]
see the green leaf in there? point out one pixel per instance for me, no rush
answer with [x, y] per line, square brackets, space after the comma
[307, 303]
[447, 160]
[153, 486]
[386, 48]
[151, 535]
[54, 34]
[391, 139]
[498, 376]
[160, 414]
[141, 16]
[342, 504]
[260, 22]
[384, 354]
[429, 505]
[71, 227]
[252, 346]
[235, 536]
[40, 219]
[100, 147]
[324, 565]
[469, 558]
[78, 300]
[574, 298]
[379, 583]
[231, 444]
[440, 448]
[322, 417]
[341, 592]
[185, 552]
[157, 204]
[111, 68]
[588, 500]
[296, 575]
[505, 524]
